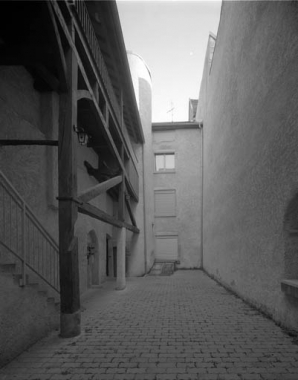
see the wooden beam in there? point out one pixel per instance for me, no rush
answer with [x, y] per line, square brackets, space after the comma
[29, 142]
[89, 194]
[128, 206]
[70, 317]
[84, 94]
[121, 234]
[94, 212]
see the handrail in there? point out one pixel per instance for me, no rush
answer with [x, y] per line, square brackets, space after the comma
[23, 235]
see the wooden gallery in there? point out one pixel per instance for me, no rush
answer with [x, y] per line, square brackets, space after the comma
[73, 210]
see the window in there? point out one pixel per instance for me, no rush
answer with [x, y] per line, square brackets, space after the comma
[164, 203]
[164, 162]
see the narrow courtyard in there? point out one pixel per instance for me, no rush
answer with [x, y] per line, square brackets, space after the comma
[183, 326]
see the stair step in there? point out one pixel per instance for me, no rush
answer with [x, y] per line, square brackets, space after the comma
[162, 269]
[168, 269]
[7, 268]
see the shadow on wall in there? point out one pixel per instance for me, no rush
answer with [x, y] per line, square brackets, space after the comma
[92, 259]
[291, 239]
[291, 258]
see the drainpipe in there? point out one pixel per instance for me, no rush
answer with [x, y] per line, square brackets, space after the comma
[144, 211]
[202, 194]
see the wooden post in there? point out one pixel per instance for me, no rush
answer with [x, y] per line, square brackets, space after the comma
[70, 318]
[121, 241]
[121, 235]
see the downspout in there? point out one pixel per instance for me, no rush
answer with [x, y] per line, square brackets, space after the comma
[144, 211]
[202, 195]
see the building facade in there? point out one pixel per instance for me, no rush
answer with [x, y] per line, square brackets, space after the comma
[69, 207]
[177, 192]
[248, 106]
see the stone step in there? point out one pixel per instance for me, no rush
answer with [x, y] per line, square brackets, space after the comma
[162, 269]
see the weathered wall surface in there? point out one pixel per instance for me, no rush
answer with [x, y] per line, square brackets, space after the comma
[25, 314]
[250, 154]
[142, 245]
[186, 180]
[26, 114]
[86, 224]
[32, 170]
[38, 317]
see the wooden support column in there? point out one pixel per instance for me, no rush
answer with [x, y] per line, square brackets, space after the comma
[121, 235]
[70, 318]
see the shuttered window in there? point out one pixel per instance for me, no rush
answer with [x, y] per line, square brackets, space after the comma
[167, 247]
[165, 202]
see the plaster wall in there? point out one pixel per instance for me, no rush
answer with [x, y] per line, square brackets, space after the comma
[250, 153]
[141, 249]
[186, 180]
[38, 317]
[32, 170]
[25, 314]
[27, 114]
[86, 224]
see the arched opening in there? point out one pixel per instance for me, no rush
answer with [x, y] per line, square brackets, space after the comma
[291, 239]
[92, 259]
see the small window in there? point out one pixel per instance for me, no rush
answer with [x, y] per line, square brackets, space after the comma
[165, 162]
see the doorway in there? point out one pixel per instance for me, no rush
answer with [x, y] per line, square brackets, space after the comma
[111, 257]
[92, 259]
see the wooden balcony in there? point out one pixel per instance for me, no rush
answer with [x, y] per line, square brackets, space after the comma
[111, 106]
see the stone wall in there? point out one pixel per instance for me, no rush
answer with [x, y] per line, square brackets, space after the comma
[250, 154]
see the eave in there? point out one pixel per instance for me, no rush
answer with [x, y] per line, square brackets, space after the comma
[166, 126]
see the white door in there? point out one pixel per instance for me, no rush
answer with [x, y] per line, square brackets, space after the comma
[166, 247]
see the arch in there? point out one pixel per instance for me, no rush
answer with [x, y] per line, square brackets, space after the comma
[291, 239]
[92, 259]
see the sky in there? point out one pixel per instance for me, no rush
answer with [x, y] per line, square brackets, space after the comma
[171, 37]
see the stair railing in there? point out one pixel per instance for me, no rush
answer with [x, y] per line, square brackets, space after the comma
[23, 235]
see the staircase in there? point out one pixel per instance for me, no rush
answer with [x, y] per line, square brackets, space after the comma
[29, 275]
[162, 268]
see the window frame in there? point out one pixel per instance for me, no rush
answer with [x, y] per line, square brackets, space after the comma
[164, 170]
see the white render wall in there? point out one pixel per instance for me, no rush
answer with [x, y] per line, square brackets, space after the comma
[142, 246]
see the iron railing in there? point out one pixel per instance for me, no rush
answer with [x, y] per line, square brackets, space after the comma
[23, 235]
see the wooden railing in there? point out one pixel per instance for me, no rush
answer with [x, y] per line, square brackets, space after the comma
[133, 176]
[23, 236]
[85, 21]
[91, 39]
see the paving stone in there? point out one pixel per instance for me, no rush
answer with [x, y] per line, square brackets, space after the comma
[182, 327]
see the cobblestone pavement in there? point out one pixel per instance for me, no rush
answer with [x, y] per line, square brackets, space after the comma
[163, 328]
